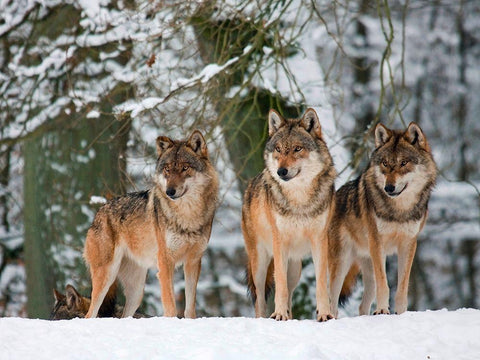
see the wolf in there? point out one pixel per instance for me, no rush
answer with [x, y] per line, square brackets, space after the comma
[285, 214]
[381, 213]
[73, 305]
[162, 227]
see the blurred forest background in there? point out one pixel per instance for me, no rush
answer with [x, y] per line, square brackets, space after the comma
[87, 85]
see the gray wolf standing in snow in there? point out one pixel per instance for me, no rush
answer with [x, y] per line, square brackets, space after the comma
[381, 213]
[286, 212]
[166, 225]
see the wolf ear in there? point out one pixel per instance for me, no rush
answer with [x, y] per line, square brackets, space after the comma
[58, 296]
[382, 135]
[197, 143]
[275, 120]
[74, 299]
[414, 135]
[311, 123]
[163, 143]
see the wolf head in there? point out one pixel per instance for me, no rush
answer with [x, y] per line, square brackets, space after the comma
[402, 160]
[181, 165]
[295, 148]
[69, 306]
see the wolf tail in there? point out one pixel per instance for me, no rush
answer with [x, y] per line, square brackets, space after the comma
[349, 283]
[107, 309]
[269, 283]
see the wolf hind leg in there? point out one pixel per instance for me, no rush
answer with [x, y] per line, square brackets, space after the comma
[132, 277]
[102, 278]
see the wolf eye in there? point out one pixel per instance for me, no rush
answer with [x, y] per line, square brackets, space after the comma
[385, 163]
[403, 163]
[277, 148]
[298, 148]
[166, 169]
[185, 167]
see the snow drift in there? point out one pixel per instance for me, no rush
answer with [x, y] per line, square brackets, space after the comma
[413, 335]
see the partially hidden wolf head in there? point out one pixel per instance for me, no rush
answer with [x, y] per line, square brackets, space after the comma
[402, 161]
[73, 305]
[69, 305]
[183, 166]
[295, 149]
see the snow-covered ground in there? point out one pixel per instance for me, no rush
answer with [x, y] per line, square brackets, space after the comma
[414, 335]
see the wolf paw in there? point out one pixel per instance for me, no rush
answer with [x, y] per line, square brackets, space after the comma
[280, 315]
[324, 317]
[381, 312]
[400, 309]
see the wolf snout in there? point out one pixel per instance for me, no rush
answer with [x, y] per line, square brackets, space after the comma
[389, 189]
[283, 173]
[171, 193]
[393, 190]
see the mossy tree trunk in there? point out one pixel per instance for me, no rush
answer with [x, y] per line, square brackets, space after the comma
[76, 154]
[243, 116]
[63, 169]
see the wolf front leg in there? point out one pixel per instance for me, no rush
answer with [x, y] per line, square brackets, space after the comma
[280, 261]
[406, 253]
[191, 270]
[166, 268]
[319, 248]
[368, 278]
[293, 276]
[377, 255]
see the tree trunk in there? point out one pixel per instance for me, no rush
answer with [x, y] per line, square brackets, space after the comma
[461, 108]
[63, 169]
[361, 93]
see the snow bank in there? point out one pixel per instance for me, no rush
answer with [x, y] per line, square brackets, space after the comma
[413, 335]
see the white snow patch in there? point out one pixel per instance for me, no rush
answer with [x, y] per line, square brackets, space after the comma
[94, 114]
[97, 200]
[206, 74]
[412, 335]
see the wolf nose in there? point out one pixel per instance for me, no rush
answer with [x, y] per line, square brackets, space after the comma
[282, 172]
[389, 188]
[170, 192]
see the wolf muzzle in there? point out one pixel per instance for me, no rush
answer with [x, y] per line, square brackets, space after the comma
[393, 191]
[171, 193]
[283, 174]
[389, 189]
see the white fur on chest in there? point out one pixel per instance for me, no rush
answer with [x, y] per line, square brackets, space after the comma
[393, 232]
[296, 191]
[298, 233]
